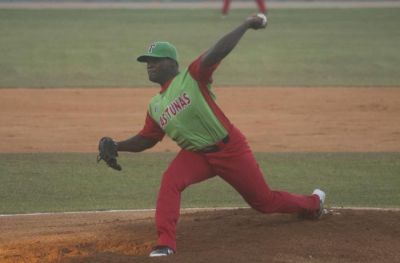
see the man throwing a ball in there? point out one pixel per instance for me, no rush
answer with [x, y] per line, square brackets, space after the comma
[185, 109]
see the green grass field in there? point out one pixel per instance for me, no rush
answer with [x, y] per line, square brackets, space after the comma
[301, 47]
[74, 182]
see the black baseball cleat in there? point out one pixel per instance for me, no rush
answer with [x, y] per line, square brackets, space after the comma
[161, 251]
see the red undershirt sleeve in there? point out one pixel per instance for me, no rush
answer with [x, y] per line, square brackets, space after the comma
[200, 74]
[151, 129]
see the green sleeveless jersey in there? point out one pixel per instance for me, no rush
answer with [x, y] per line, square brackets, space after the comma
[184, 115]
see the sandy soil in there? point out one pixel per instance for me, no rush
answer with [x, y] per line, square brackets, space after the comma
[274, 119]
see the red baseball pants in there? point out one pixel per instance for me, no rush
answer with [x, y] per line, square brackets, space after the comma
[234, 163]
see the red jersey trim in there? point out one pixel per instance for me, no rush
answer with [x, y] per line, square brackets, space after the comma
[203, 76]
[215, 108]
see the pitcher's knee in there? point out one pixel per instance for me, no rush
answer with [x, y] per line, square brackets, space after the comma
[171, 183]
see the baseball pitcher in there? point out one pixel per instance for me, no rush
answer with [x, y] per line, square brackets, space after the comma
[185, 109]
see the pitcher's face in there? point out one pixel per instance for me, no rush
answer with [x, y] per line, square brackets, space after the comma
[160, 70]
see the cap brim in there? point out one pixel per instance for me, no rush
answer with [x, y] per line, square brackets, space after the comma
[144, 58]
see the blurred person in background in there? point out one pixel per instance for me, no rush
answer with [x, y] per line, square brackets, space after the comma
[226, 4]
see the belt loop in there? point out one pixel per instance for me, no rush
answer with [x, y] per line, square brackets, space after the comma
[216, 147]
[223, 142]
[226, 139]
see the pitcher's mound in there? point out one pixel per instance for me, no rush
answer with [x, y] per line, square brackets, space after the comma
[241, 235]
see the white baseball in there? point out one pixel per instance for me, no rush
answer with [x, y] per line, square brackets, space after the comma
[264, 18]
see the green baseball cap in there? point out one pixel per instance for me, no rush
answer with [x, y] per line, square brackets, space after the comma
[160, 50]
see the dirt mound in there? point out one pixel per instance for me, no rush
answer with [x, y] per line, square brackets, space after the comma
[219, 236]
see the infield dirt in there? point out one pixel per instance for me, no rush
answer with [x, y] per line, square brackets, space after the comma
[217, 236]
[274, 120]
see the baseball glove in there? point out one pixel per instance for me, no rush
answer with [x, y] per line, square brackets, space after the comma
[108, 153]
